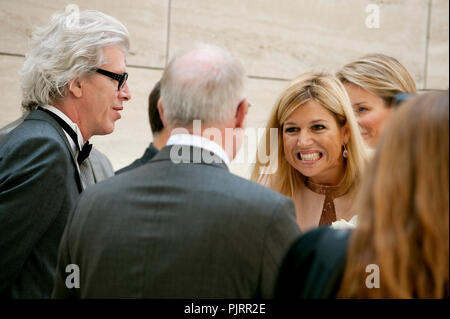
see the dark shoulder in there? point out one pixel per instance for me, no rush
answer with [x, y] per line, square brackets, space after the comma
[34, 147]
[137, 163]
[213, 178]
[207, 182]
[32, 135]
[322, 244]
[252, 192]
[37, 123]
[314, 264]
[149, 153]
[323, 241]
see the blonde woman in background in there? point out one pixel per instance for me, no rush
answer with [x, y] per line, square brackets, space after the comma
[373, 82]
[403, 225]
[321, 153]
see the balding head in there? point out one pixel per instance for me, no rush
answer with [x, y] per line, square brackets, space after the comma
[205, 84]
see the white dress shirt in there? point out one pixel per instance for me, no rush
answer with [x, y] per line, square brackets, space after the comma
[74, 126]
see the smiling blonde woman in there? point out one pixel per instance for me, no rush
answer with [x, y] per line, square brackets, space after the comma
[372, 83]
[321, 153]
[400, 248]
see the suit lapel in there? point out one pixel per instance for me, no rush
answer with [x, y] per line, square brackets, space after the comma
[42, 116]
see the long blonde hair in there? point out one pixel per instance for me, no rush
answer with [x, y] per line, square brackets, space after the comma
[330, 93]
[403, 208]
[379, 74]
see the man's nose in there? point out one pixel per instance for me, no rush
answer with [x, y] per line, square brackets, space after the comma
[124, 93]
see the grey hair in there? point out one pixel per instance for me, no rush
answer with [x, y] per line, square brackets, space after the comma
[68, 47]
[205, 83]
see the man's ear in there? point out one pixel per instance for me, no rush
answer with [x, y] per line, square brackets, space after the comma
[75, 87]
[241, 114]
[161, 113]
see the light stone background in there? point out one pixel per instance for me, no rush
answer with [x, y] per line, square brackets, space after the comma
[276, 41]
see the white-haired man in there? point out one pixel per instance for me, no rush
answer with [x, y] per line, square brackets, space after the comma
[182, 226]
[73, 85]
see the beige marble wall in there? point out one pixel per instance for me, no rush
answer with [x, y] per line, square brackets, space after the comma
[437, 59]
[276, 40]
[146, 21]
[10, 88]
[284, 38]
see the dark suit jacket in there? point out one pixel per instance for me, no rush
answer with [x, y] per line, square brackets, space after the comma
[39, 183]
[149, 153]
[98, 163]
[165, 230]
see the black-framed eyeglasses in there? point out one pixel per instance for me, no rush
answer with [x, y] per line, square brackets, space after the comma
[121, 78]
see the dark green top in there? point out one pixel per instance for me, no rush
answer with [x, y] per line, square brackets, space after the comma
[149, 153]
[314, 265]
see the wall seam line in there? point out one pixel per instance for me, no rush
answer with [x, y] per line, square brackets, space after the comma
[169, 13]
[12, 54]
[427, 45]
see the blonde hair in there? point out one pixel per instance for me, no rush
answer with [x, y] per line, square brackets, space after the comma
[326, 90]
[379, 74]
[403, 208]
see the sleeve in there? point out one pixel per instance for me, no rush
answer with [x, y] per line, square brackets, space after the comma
[32, 177]
[281, 233]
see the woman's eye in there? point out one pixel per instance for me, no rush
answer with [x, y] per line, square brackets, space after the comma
[317, 127]
[291, 129]
[361, 109]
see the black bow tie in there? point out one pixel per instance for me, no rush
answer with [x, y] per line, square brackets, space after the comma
[84, 152]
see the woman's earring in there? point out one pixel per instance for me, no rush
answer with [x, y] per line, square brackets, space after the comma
[345, 152]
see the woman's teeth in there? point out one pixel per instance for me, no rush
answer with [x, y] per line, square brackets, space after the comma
[309, 156]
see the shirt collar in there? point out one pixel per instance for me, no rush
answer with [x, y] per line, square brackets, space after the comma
[200, 141]
[73, 125]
